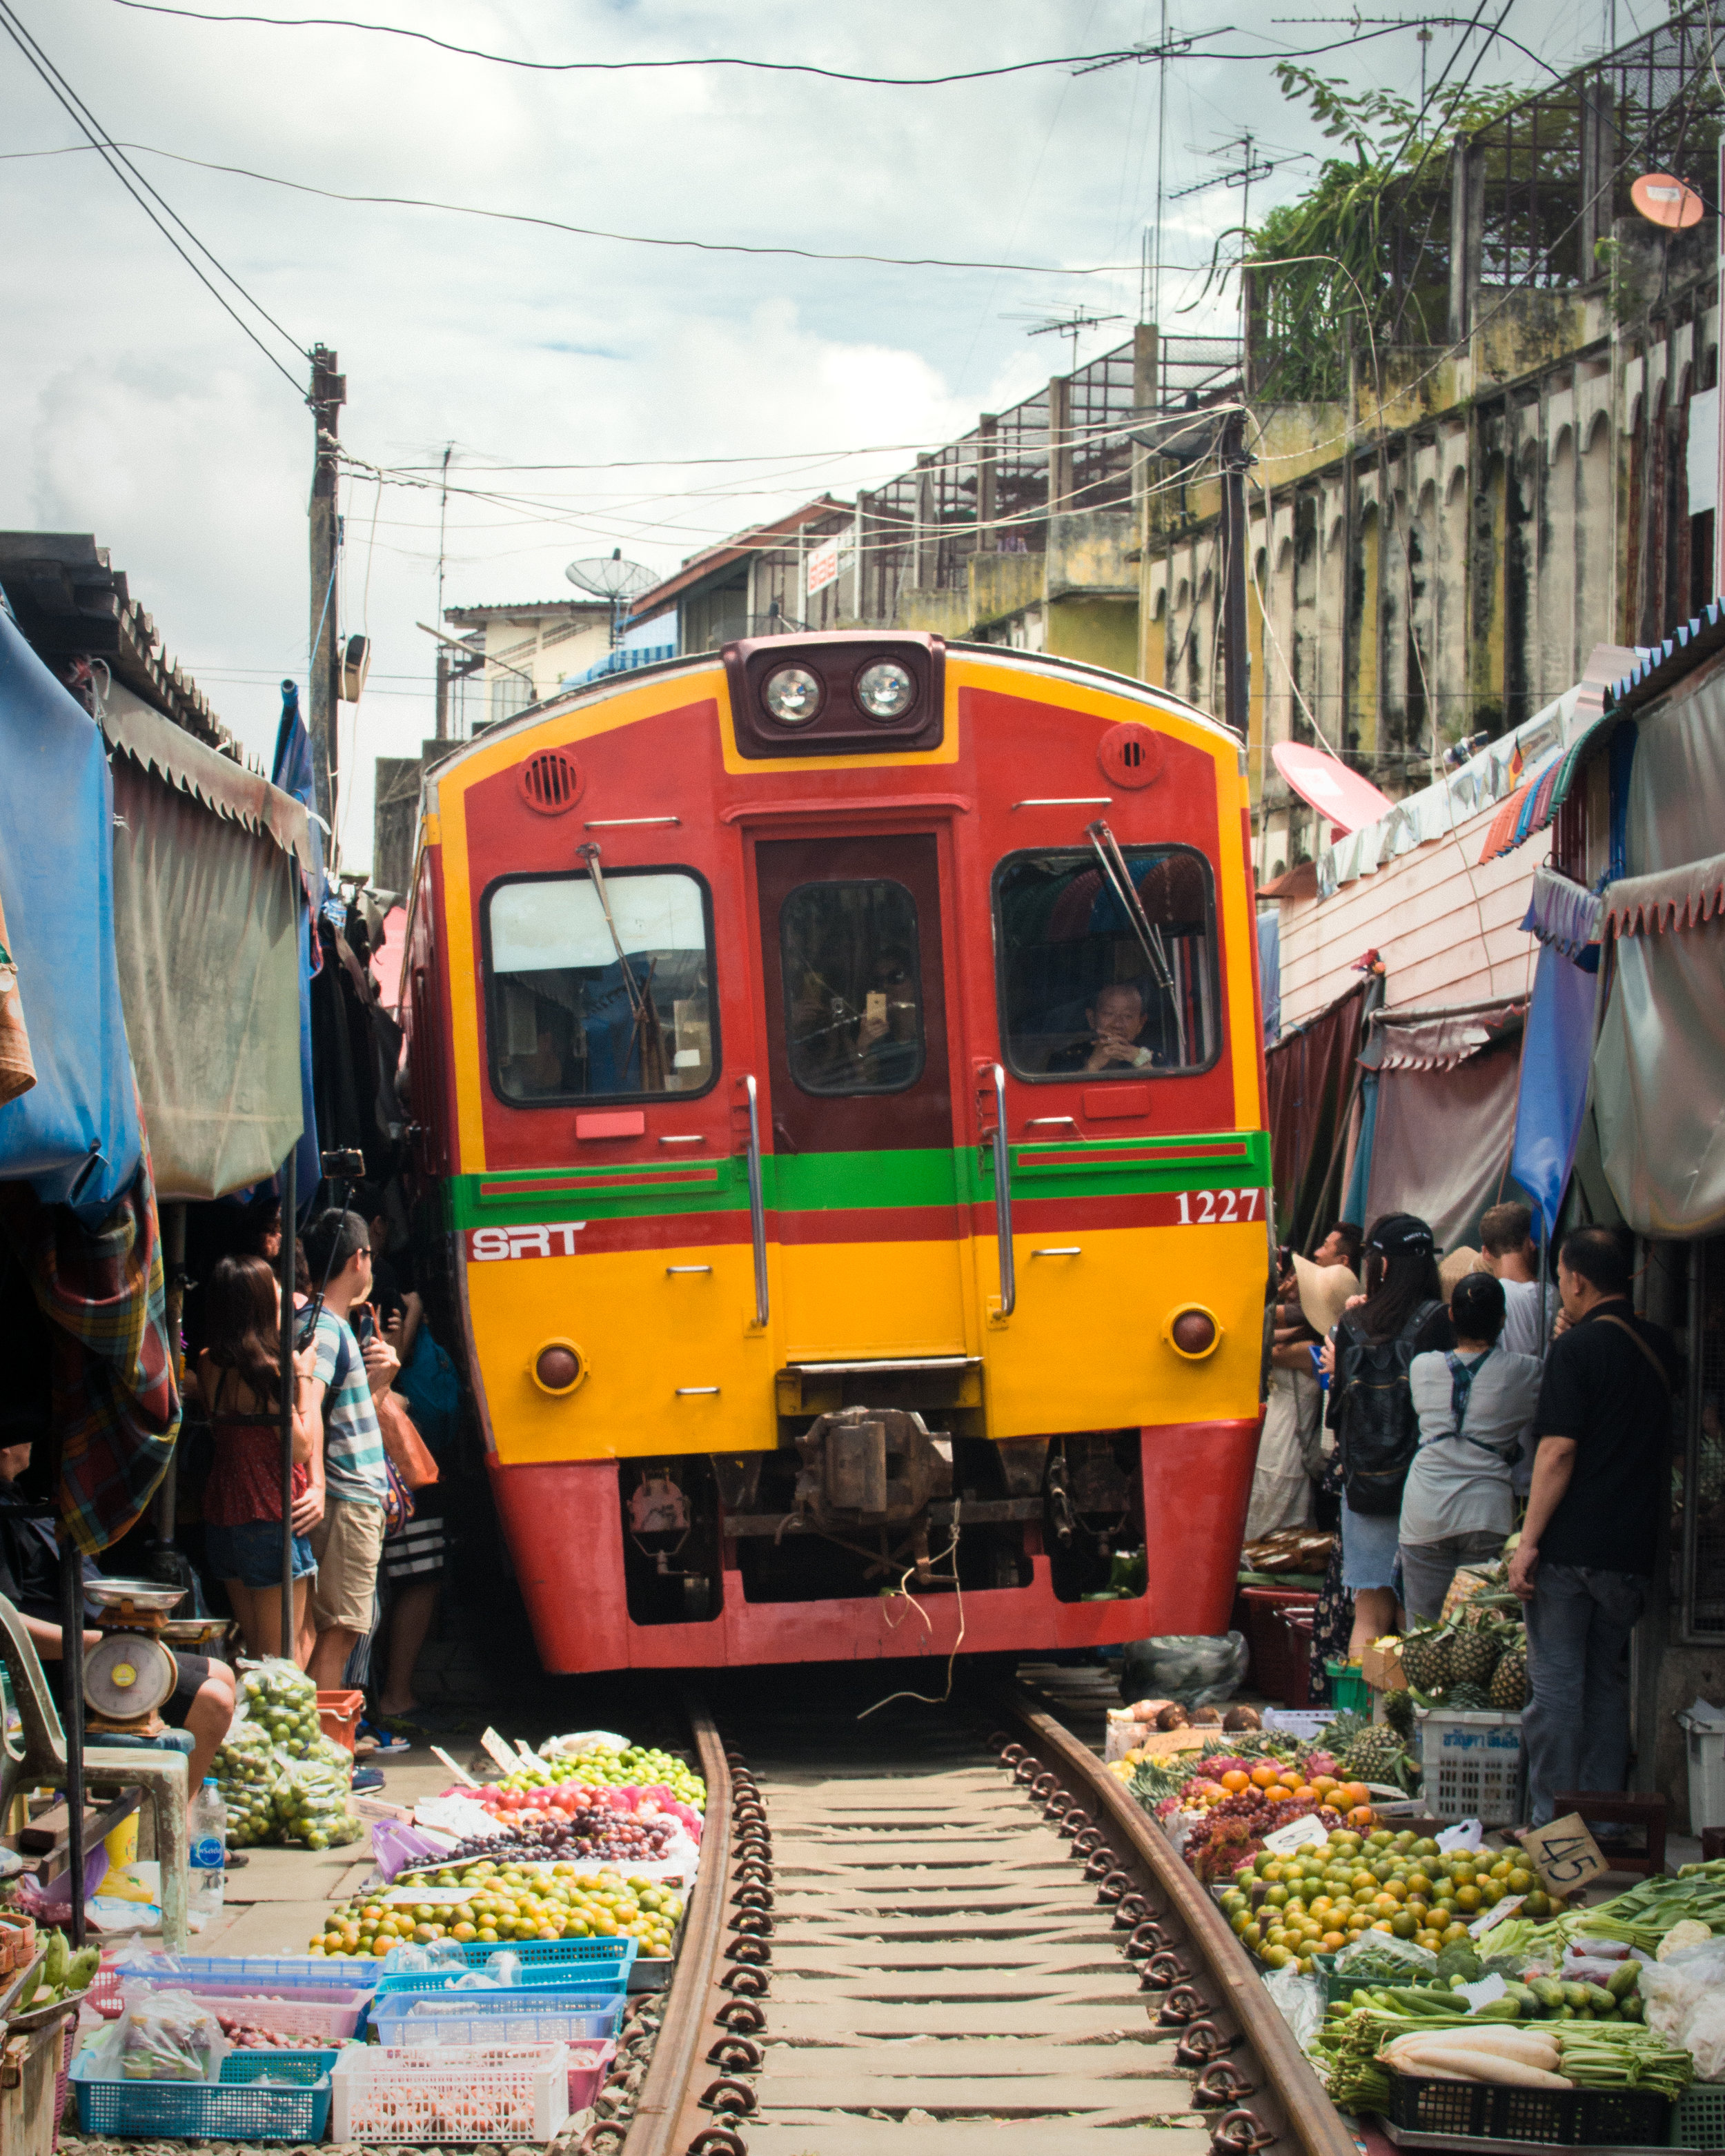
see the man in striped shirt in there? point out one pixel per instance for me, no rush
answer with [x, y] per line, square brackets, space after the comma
[351, 1477]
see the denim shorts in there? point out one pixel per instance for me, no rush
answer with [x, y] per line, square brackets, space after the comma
[252, 1553]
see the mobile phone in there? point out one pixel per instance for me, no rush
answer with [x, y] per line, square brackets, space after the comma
[876, 1004]
[365, 1326]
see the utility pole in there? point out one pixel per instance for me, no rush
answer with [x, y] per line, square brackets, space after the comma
[443, 656]
[1236, 537]
[329, 393]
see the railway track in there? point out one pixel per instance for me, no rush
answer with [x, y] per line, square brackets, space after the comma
[918, 1927]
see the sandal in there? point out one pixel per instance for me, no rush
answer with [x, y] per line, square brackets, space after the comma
[385, 1743]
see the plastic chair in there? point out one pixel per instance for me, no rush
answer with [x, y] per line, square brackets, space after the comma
[159, 1775]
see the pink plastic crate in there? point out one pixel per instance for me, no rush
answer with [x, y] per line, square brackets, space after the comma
[460, 2093]
[333, 2015]
[588, 2065]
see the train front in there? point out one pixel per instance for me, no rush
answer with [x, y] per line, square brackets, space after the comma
[840, 1061]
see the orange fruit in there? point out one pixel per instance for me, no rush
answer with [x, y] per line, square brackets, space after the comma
[1236, 1779]
[1360, 1816]
[1264, 1777]
[1334, 1940]
[1305, 1793]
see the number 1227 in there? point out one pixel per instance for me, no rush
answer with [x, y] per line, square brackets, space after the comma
[1206, 1209]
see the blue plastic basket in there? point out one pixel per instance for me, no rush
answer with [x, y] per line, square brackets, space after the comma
[533, 1952]
[234, 2108]
[505, 2017]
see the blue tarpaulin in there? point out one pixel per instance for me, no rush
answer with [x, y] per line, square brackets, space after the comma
[292, 772]
[1556, 1050]
[75, 1135]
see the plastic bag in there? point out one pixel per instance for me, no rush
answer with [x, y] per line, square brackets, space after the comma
[1419, 1962]
[1300, 2001]
[160, 2036]
[1191, 1668]
[1679, 1993]
[582, 1740]
[311, 1801]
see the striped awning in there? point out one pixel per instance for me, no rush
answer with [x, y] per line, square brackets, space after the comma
[1532, 804]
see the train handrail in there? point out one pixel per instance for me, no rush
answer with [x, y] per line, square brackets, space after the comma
[758, 1201]
[1002, 1197]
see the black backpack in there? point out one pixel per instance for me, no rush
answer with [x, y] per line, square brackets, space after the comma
[1378, 1430]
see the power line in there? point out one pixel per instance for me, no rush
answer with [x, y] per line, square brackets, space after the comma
[112, 155]
[592, 232]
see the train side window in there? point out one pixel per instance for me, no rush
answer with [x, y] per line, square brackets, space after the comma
[1085, 991]
[853, 989]
[585, 1006]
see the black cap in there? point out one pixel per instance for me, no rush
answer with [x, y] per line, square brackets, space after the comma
[1403, 1235]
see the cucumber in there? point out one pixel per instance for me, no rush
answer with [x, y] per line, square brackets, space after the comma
[1576, 1994]
[1625, 1980]
[1548, 1991]
[1599, 1998]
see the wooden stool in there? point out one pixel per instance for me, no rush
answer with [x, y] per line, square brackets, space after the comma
[1618, 1808]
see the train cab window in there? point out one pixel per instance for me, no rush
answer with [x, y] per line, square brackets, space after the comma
[585, 1003]
[1090, 987]
[852, 987]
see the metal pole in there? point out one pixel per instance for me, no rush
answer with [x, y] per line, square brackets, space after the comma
[329, 392]
[1235, 539]
[288, 1207]
[72, 1707]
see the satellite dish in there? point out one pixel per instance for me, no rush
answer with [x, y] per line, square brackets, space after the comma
[1348, 801]
[1663, 199]
[612, 578]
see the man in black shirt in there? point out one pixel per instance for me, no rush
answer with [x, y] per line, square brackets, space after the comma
[1597, 1517]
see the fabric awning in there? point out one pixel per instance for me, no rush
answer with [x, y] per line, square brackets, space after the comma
[1438, 1039]
[1445, 1113]
[1311, 1078]
[1565, 916]
[1675, 898]
[1552, 1098]
[228, 788]
[1659, 1081]
[206, 911]
[74, 1135]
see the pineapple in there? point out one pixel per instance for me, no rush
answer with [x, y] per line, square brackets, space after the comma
[1467, 1698]
[1399, 1713]
[1473, 1655]
[1509, 1681]
[1375, 1755]
[1425, 1660]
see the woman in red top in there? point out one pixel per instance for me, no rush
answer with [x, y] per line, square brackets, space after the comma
[239, 1376]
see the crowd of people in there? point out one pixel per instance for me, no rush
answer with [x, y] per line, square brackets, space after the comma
[1416, 1410]
[374, 1405]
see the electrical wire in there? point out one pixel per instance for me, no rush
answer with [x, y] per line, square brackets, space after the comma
[112, 154]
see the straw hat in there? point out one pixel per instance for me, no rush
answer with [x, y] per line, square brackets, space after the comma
[1461, 1262]
[1324, 1292]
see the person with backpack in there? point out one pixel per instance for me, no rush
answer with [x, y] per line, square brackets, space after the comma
[1474, 1404]
[1371, 1351]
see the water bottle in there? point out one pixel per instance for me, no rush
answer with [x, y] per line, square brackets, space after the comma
[208, 1822]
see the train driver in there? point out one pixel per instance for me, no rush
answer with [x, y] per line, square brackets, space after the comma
[1116, 1037]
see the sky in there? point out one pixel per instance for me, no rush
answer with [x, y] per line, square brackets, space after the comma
[720, 387]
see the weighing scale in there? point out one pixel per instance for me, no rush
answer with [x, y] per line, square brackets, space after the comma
[132, 1670]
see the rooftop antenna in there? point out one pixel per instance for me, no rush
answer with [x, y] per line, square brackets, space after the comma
[1072, 325]
[609, 577]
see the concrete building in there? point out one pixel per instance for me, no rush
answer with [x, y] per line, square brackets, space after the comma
[520, 655]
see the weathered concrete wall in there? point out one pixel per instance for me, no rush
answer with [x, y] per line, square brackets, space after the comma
[1100, 632]
[1088, 551]
[1002, 585]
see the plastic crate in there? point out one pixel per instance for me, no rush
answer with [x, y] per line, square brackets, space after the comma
[595, 1964]
[1349, 1692]
[338, 1714]
[295, 2108]
[1492, 2110]
[334, 2015]
[587, 2015]
[1472, 1764]
[463, 2093]
[300, 1972]
[591, 2049]
[1698, 2117]
[1705, 1744]
[1278, 1664]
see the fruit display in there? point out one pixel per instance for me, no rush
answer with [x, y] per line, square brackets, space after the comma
[246, 2036]
[1154, 1780]
[599, 1767]
[59, 1974]
[280, 1777]
[589, 1832]
[507, 1901]
[1475, 1657]
[1287, 1909]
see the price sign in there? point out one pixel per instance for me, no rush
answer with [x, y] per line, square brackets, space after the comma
[1500, 1914]
[434, 1898]
[1297, 1834]
[1564, 1854]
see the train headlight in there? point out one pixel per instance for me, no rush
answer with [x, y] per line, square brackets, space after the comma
[1192, 1331]
[559, 1367]
[885, 690]
[791, 695]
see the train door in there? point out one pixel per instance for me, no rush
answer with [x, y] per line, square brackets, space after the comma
[861, 1098]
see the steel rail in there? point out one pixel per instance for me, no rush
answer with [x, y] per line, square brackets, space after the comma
[661, 2126]
[1233, 2032]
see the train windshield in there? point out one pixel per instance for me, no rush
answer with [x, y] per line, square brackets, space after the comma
[1092, 985]
[599, 996]
[848, 959]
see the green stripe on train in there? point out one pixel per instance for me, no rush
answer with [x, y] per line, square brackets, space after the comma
[865, 1181]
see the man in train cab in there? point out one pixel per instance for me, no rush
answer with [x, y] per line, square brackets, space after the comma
[1117, 1034]
[888, 1043]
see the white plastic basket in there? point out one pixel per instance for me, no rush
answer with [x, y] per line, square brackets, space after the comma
[1473, 1765]
[459, 2092]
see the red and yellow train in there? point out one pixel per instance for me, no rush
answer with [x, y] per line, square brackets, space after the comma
[839, 1069]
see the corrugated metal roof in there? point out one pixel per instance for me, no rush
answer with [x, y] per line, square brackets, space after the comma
[759, 539]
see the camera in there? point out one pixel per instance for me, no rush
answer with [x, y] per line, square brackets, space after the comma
[342, 1164]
